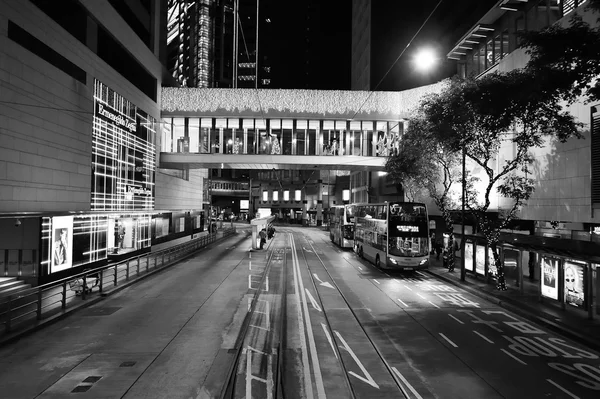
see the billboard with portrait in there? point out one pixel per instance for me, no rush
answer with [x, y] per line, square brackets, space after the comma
[62, 243]
[469, 256]
[549, 270]
[574, 284]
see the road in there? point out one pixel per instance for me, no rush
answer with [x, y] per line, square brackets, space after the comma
[301, 319]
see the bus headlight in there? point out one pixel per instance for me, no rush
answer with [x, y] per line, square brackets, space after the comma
[392, 260]
[424, 261]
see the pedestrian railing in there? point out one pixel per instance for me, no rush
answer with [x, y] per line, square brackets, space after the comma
[32, 306]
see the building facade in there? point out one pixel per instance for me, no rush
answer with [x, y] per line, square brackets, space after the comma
[560, 221]
[79, 104]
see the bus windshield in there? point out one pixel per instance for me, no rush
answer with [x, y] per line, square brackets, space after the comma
[349, 214]
[408, 229]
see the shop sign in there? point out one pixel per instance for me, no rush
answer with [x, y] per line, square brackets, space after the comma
[110, 115]
[135, 190]
[574, 284]
[550, 277]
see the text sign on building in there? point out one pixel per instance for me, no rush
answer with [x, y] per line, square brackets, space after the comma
[110, 115]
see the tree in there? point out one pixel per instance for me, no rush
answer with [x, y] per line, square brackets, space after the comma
[512, 107]
[567, 58]
[423, 162]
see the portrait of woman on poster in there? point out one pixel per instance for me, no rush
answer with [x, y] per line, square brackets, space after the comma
[573, 286]
[61, 246]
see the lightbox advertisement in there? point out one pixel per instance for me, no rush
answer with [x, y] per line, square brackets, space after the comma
[480, 260]
[62, 243]
[469, 256]
[574, 291]
[550, 277]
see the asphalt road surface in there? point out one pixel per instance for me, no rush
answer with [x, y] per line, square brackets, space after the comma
[300, 319]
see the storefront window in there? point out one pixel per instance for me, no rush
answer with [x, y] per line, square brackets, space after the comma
[194, 134]
[301, 142]
[251, 142]
[312, 141]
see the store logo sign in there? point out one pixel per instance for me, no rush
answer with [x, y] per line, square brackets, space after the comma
[133, 190]
[110, 115]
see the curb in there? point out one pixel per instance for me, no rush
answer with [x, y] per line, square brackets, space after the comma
[523, 311]
[17, 335]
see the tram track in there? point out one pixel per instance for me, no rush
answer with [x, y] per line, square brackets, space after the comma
[261, 335]
[351, 386]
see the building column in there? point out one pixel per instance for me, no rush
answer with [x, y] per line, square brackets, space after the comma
[320, 203]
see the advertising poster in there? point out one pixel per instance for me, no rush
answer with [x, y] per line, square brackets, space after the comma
[480, 260]
[550, 277]
[574, 287]
[492, 269]
[469, 256]
[62, 243]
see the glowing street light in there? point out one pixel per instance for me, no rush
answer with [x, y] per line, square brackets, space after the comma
[425, 59]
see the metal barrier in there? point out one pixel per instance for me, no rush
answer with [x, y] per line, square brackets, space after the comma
[30, 306]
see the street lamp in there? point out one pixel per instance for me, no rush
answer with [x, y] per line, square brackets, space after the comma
[425, 59]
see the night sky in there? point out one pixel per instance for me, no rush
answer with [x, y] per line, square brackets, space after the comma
[324, 63]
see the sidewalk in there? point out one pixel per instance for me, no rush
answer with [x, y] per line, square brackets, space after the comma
[571, 323]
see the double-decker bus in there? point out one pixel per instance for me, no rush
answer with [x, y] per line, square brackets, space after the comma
[341, 225]
[393, 235]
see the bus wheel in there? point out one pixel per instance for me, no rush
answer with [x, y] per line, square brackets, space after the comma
[377, 262]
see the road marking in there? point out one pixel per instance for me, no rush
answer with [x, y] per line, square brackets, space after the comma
[460, 321]
[250, 265]
[329, 339]
[395, 370]
[483, 336]
[367, 377]
[326, 284]
[249, 376]
[376, 281]
[424, 275]
[400, 300]
[562, 389]
[434, 304]
[309, 331]
[421, 296]
[312, 300]
[513, 356]
[359, 268]
[448, 339]
[407, 287]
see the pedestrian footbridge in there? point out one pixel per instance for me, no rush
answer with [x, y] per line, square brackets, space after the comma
[283, 129]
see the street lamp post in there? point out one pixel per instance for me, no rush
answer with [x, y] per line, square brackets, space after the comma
[462, 215]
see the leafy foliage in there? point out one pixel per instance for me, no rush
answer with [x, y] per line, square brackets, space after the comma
[567, 59]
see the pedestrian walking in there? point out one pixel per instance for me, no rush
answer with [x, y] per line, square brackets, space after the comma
[263, 237]
[438, 250]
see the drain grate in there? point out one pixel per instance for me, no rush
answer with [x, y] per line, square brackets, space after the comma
[81, 388]
[127, 364]
[92, 379]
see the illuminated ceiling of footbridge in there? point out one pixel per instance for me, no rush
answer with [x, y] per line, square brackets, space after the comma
[268, 162]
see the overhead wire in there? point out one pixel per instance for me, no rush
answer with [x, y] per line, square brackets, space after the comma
[397, 58]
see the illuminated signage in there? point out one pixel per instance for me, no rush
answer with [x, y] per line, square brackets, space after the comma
[408, 229]
[138, 190]
[550, 277]
[110, 115]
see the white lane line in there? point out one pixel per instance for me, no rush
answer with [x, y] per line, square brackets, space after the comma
[434, 304]
[329, 339]
[376, 281]
[301, 322]
[407, 287]
[448, 339]
[402, 302]
[458, 320]
[311, 339]
[424, 275]
[483, 336]
[513, 356]
[395, 370]
[367, 377]
[422, 297]
[562, 389]
[250, 265]
[359, 268]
